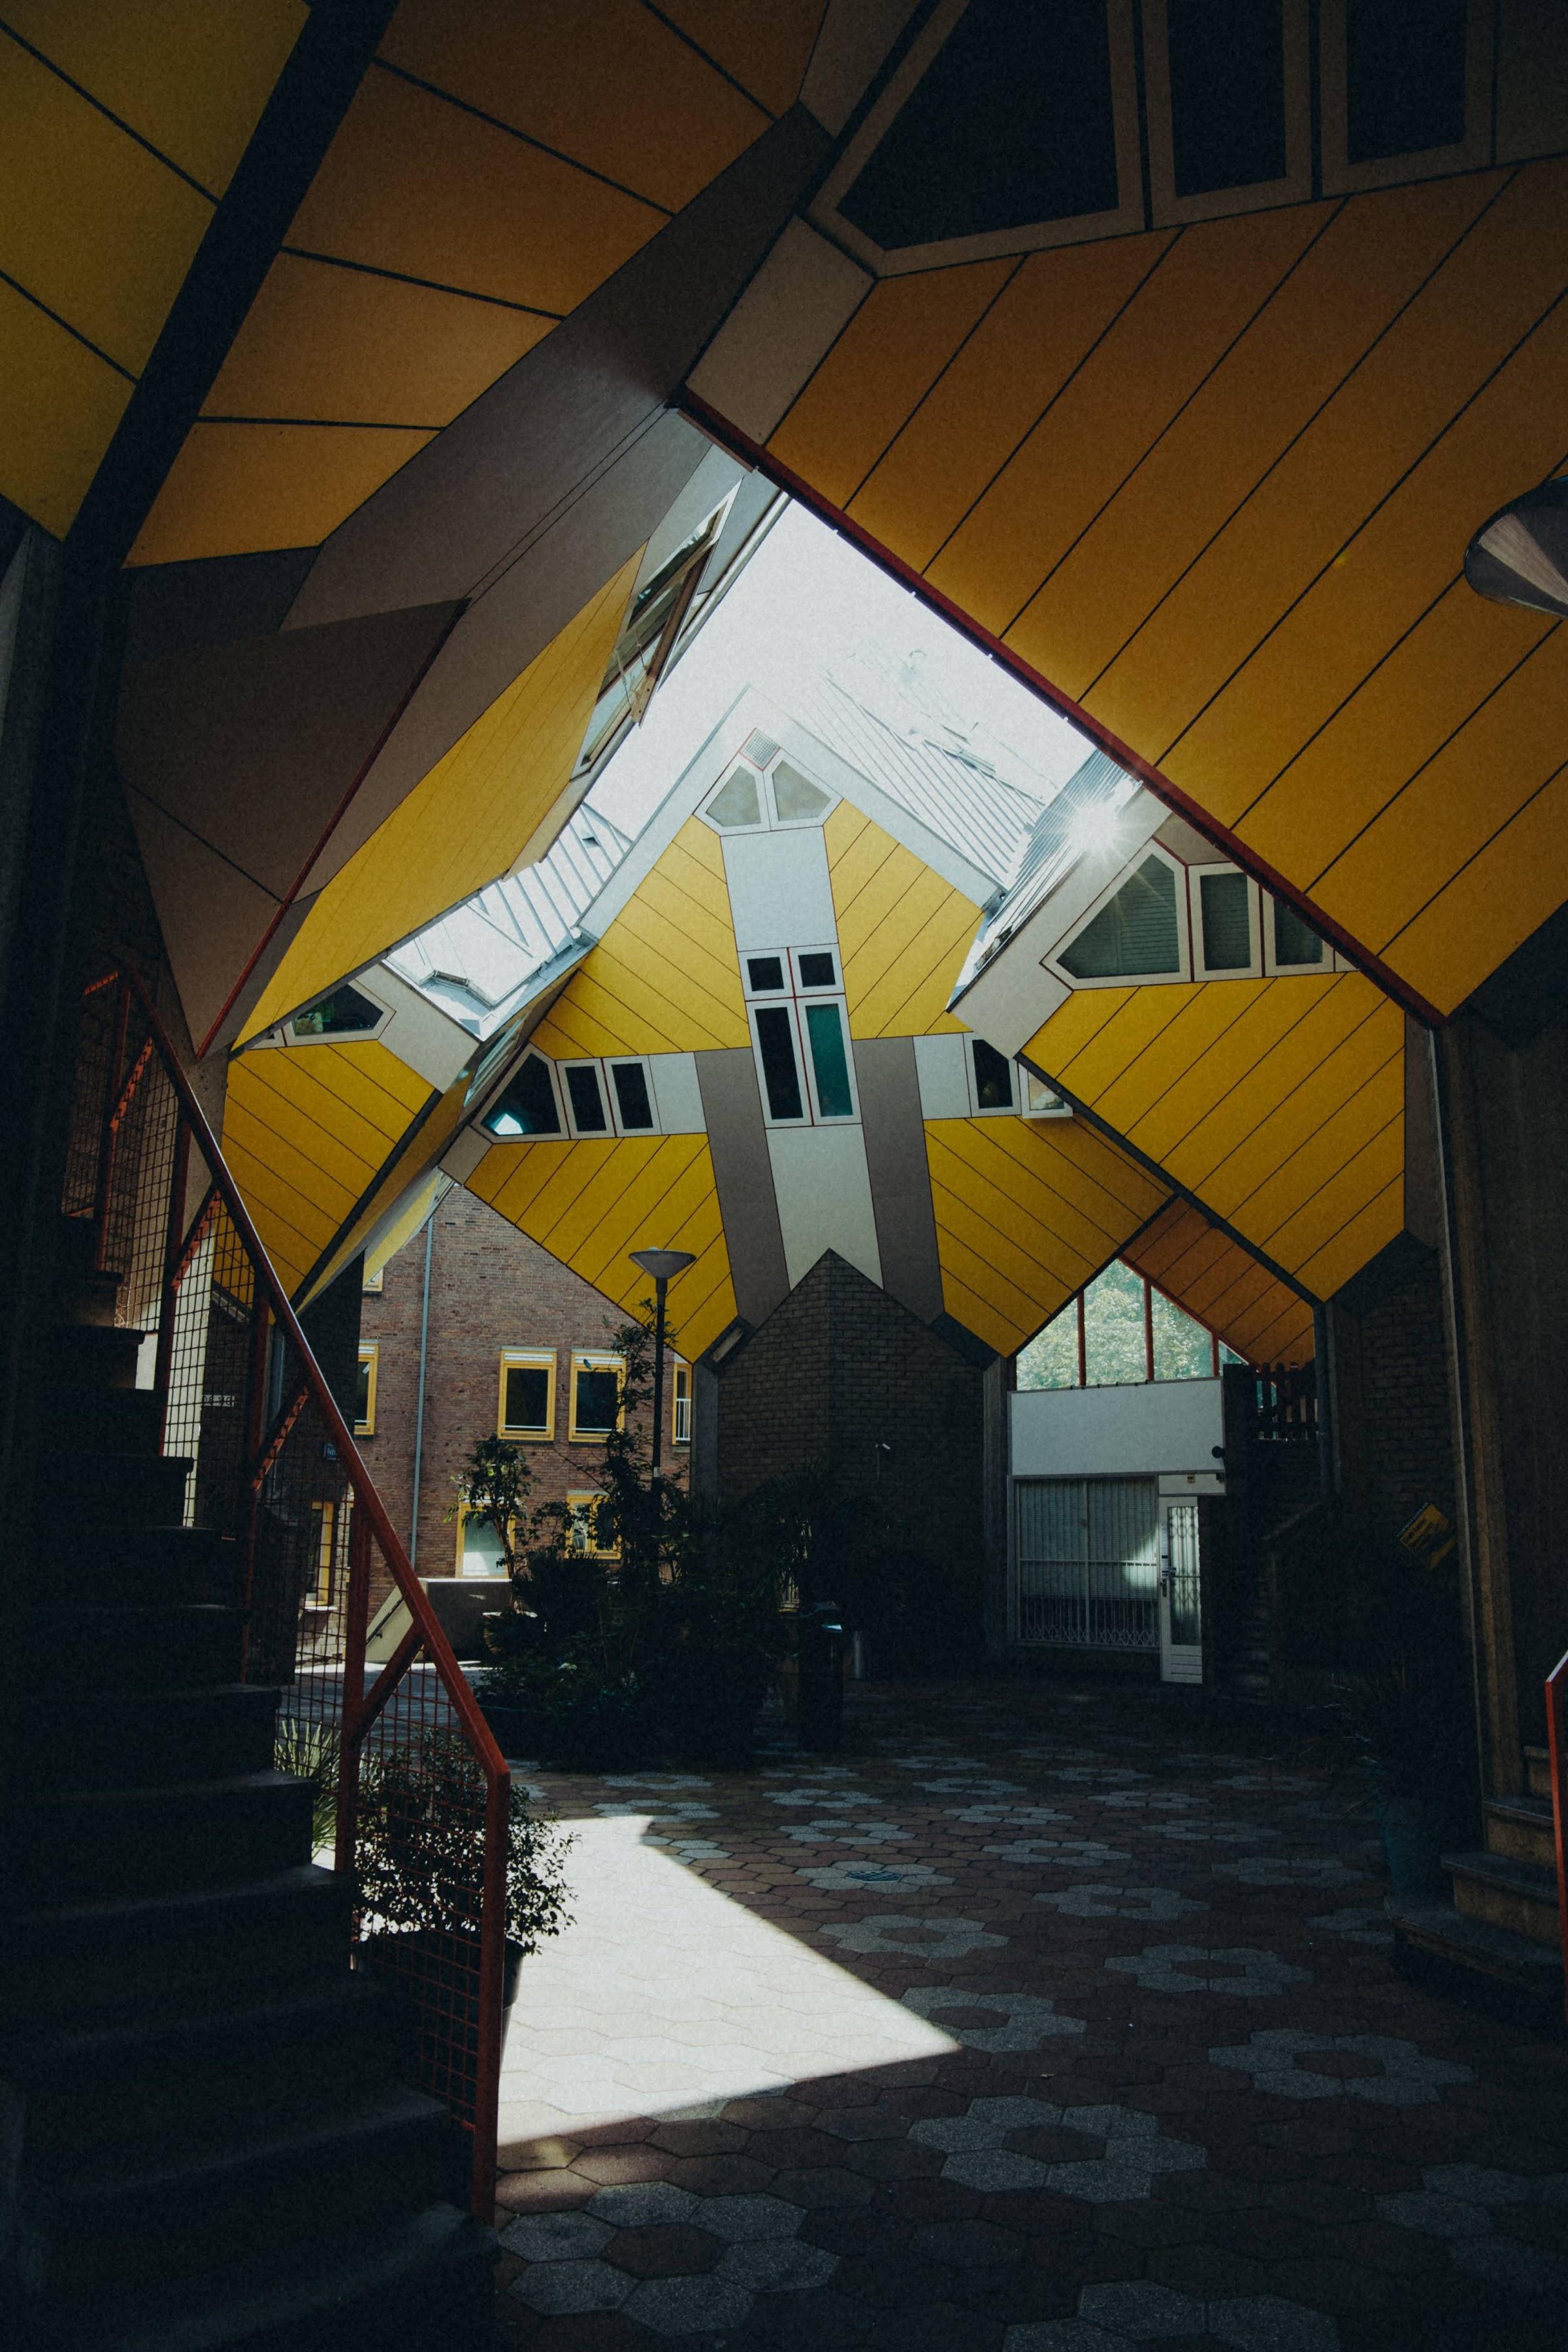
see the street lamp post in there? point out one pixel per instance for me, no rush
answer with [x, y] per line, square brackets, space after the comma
[663, 1265]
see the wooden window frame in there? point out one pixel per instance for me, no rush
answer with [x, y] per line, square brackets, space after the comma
[532, 1359]
[369, 1353]
[595, 1360]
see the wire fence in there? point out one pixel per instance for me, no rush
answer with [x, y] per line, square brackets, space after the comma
[413, 1796]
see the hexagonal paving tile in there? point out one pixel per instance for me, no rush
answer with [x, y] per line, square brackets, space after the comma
[933, 1937]
[553, 2289]
[1380, 2068]
[639, 2205]
[1023, 2021]
[1243, 1972]
[1131, 2149]
[1107, 1902]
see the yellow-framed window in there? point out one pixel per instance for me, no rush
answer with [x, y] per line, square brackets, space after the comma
[479, 1548]
[681, 1406]
[330, 1548]
[596, 1379]
[376, 1282]
[525, 1404]
[365, 1395]
[581, 1531]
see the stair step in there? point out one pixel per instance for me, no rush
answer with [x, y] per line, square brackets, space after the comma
[111, 1490]
[73, 1739]
[68, 1959]
[1519, 1895]
[103, 1419]
[179, 1645]
[1476, 1960]
[1521, 1829]
[93, 1355]
[1538, 1771]
[419, 2282]
[168, 1840]
[155, 1567]
[155, 2212]
[130, 2080]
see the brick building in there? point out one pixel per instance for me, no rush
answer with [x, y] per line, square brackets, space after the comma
[512, 1343]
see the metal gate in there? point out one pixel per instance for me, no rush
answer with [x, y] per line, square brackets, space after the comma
[1086, 1563]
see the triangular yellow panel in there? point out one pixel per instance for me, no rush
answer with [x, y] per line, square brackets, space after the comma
[305, 1130]
[468, 821]
[1027, 1212]
[590, 1203]
[903, 932]
[664, 977]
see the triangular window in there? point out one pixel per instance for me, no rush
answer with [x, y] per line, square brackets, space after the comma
[1136, 935]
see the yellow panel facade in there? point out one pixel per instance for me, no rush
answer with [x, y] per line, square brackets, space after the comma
[346, 346]
[590, 1203]
[306, 1130]
[1256, 1095]
[903, 932]
[242, 489]
[93, 226]
[766, 49]
[189, 77]
[465, 822]
[1027, 1212]
[665, 977]
[61, 403]
[1212, 1277]
[603, 83]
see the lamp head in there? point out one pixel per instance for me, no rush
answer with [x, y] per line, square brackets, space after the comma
[663, 1265]
[1520, 556]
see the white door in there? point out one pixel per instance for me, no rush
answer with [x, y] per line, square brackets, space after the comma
[1181, 1606]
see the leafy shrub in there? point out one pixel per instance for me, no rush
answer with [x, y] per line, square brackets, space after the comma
[421, 1846]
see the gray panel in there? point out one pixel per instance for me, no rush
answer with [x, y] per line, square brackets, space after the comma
[890, 1088]
[515, 619]
[499, 473]
[738, 1139]
[253, 743]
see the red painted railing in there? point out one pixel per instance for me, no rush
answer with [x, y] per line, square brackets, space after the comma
[1557, 1752]
[420, 1794]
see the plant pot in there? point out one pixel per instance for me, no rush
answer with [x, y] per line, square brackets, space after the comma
[1413, 1829]
[427, 1965]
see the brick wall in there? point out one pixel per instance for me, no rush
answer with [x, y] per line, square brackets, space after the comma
[838, 1372]
[1393, 1431]
[490, 1287]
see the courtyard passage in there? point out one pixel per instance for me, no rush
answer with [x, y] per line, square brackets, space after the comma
[1035, 2019]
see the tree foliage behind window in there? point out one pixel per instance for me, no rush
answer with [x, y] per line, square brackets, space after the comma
[1114, 1339]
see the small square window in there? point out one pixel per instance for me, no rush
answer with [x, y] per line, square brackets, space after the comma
[527, 1105]
[764, 974]
[527, 1401]
[993, 1077]
[816, 969]
[1297, 946]
[595, 1396]
[364, 1392]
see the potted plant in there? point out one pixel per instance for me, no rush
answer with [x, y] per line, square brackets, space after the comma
[419, 1869]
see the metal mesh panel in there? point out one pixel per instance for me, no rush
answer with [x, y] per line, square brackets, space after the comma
[1089, 1562]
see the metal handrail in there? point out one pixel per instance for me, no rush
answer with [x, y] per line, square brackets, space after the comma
[1557, 1753]
[369, 1519]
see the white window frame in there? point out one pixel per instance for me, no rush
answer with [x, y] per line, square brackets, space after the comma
[770, 820]
[1274, 968]
[610, 1064]
[679, 1371]
[786, 998]
[585, 1134]
[1036, 1100]
[346, 1036]
[562, 1108]
[1184, 972]
[1470, 153]
[1295, 184]
[1253, 968]
[990, 1110]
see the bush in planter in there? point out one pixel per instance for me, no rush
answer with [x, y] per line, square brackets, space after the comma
[420, 1862]
[666, 1648]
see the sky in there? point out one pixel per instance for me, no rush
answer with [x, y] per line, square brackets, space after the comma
[809, 602]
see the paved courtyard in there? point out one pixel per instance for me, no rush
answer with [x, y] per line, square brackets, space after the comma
[1037, 2019]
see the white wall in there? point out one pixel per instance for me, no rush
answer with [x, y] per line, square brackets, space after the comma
[1163, 1426]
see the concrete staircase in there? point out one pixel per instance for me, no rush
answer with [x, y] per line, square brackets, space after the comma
[1500, 1938]
[204, 2138]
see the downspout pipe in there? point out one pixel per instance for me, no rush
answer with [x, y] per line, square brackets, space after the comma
[419, 1403]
